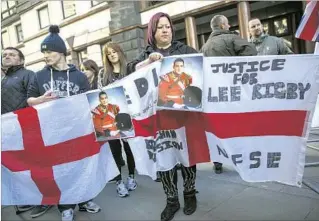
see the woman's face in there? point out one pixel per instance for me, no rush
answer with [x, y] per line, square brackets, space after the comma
[89, 74]
[112, 56]
[163, 34]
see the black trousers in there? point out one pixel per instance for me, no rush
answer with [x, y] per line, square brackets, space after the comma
[169, 180]
[116, 149]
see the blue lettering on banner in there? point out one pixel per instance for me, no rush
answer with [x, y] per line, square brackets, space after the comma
[164, 141]
[272, 161]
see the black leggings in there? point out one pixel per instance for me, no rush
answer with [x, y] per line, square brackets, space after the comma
[169, 180]
[116, 149]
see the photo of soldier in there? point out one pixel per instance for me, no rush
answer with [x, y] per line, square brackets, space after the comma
[109, 119]
[176, 89]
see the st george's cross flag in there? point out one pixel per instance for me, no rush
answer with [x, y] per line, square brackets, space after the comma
[50, 156]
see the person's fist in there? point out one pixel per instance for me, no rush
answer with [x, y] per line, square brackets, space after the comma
[155, 56]
[114, 133]
[48, 96]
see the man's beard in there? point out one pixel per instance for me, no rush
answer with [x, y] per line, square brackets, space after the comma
[259, 34]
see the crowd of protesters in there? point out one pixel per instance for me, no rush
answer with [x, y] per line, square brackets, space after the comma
[22, 88]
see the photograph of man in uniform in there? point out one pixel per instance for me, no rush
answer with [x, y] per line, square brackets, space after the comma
[175, 86]
[104, 116]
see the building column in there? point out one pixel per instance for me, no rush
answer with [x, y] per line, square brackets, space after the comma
[202, 39]
[191, 33]
[243, 18]
[94, 53]
[73, 54]
[74, 58]
[143, 4]
[309, 45]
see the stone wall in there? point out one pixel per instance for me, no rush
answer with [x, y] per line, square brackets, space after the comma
[125, 22]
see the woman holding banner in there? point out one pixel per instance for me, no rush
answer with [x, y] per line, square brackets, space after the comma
[115, 69]
[161, 44]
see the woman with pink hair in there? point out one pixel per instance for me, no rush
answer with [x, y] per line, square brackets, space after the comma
[160, 44]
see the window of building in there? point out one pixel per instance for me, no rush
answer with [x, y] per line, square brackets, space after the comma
[82, 55]
[266, 27]
[19, 33]
[68, 8]
[281, 26]
[151, 3]
[5, 41]
[7, 8]
[44, 19]
[145, 4]
[94, 3]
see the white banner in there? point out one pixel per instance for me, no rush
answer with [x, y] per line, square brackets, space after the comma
[257, 113]
[263, 103]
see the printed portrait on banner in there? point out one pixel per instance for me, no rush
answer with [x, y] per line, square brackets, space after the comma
[180, 83]
[110, 115]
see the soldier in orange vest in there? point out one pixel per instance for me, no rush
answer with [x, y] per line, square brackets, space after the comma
[172, 86]
[104, 117]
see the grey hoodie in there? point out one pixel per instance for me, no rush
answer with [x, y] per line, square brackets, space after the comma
[227, 43]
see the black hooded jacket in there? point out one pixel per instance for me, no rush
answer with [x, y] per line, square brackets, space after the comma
[176, 48]
[14, 87]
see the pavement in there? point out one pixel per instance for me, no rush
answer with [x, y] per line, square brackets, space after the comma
[221, 197]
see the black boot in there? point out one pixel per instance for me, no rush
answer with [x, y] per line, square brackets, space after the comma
[172, 206]
[190, 202]
[158, 177]
[218, 167]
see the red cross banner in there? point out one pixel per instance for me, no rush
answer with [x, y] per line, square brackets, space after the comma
[256, 118]
[256, 114]
[50, 156]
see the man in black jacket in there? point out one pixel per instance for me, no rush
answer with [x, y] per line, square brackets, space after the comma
[15, 82]
[223, 42]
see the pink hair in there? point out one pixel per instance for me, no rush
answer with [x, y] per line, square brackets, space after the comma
[152, 27]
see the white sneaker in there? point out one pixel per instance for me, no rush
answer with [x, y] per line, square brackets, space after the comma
[67, 215]
[90, 207]
[131, 183]
[121, 189]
